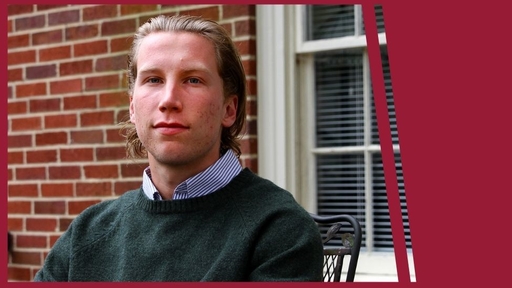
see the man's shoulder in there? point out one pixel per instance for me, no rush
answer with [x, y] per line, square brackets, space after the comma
[258, 195]
[103, 214]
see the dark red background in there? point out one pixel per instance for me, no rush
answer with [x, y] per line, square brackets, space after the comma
[450, 65]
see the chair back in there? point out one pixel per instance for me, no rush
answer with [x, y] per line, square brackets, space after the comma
[350, 245]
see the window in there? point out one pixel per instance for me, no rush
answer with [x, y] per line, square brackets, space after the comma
[343, 141]
[317, 129]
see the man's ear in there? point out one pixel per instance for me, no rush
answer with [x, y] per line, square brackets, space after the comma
[230, 108]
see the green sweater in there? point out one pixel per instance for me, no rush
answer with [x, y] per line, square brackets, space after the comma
[250, 230]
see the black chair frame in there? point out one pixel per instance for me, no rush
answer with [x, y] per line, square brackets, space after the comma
[336, 254]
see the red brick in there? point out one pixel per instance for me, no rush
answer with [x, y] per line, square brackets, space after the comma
[57, 190]
[252, 127]
[246, 47]
[19, 107]
[252, 88]
[133, 169]
[110, 153]
[45, 105]
[76, 155]
[31, 173]
[17, 141]
[40, 7]
[93, 189]
[14, 157]
[76, 207]
[115, 99]
[251, 108]
[101, 171]
[233, 11]
[30, 22]
[249, 146]
[34, 89]
[15, 74]
[113, 136]
[124, 26]
[47, 37]
[86, 137]
[76, 67]
[64, 17]
[97, 118]
[249, 67]
[18, 273]
[41, 156]
[66, 86]
[79, 102]
[30, 258]
[23, 190]
[53, 239]
[59, 121]
[99, 12]
[31, 241]
[51, 138]
[208, 12]
[55, 53]
[14, 224]
[64, 223]
[123, 186]
[102, 82]
[17, 41]
[112, 63]
[41, 71]
[19, 207]
[22, 57]
[41, 224]
[64, 172]
[49, 207]
[29, 123]
[122, 115]
[245, 28]
[90, 48]
[120, 44]
[137, 9]
[15, 9]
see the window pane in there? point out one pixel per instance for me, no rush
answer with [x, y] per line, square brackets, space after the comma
[390, 102]
[381, 221]
[379, 17]
[339, 99]
[330, 21]
[341, 186]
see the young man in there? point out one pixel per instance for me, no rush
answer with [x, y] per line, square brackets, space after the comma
[199, 216]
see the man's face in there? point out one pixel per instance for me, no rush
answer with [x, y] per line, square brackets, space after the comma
[178, 105]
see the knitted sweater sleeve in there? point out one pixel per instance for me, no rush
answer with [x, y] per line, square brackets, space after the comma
[289, 249]
[56, 266]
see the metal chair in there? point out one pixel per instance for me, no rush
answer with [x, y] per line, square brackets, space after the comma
[350, 245]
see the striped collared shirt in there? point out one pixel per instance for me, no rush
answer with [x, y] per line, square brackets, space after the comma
[213, 178]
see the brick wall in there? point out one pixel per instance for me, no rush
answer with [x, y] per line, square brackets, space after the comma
[66, 93]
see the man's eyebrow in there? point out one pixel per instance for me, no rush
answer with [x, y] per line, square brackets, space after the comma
[187, 69]
[149, 70]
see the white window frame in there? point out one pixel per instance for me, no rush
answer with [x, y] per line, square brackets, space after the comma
[280, 123]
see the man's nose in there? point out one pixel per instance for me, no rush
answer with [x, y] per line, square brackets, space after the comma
[171, 97]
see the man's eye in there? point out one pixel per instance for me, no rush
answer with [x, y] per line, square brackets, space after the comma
[153, 80]
[194, 80]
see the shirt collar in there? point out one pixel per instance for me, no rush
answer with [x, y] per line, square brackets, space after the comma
[210, 180]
